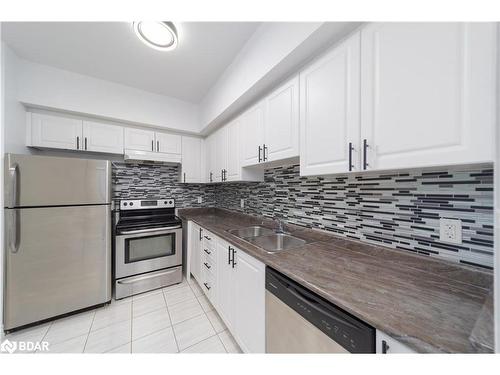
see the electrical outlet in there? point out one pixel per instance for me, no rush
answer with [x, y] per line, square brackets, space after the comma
[242, 203]
[200, 199]
[450, 230]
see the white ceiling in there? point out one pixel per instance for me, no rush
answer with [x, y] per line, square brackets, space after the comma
[111, 51]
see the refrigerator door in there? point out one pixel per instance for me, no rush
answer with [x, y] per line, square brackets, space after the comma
[32, 181]
[58, 260]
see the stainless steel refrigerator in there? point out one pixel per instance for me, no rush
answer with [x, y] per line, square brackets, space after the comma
[57, 237]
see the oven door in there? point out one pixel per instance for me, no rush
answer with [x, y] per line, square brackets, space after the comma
[147, 250]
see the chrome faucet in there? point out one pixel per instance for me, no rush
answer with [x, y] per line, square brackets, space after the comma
[281, 225]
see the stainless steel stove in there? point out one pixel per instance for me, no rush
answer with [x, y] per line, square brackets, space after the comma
[148, 246]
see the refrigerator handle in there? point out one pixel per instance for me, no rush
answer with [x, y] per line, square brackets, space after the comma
[14, 172]
[13, 233]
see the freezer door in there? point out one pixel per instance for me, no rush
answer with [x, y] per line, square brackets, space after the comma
[32, 181]
[58, 260]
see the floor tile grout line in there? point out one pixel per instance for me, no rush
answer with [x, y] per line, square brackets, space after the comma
[131, 324]
[199, 342]
[171, 325]
[88, 333]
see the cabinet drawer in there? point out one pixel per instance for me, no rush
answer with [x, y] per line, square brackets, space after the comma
[209, 285]
[209, 264]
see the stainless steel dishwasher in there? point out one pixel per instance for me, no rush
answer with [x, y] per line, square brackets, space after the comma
[299, 321]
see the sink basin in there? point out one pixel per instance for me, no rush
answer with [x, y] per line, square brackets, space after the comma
[277, 242]
[250, 232]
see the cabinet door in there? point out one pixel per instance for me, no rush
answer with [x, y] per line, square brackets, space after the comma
[250, 317]
[220, 153]
[329, 111]
[168, 143]
[385, 344]
[191, 159]
[139, 139]
[56, 132]
[428, 93]
[225, 284]
[233, 151]
[100, 137]
[210, 158]
[252, 126]
[194, 247]
[282, 122]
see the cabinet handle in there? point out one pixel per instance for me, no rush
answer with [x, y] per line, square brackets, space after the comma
[225, 174]
[184, 176]
[206, 286]
[207, 265]
[157, 146]
[229, 255]
[211, 180]
[206, 251]
[152, 146]
[260, 149]
[365, 147]
[85, 143]
[385, 347]
[234, 252]
[201, 234]
[264, 149]
[77, 142]
[350, 157]
[208, 238]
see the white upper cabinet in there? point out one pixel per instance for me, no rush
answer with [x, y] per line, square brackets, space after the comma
[233, 151]
[221, 145]
[329, 111]
[55, 132]
[209, 155]
[140, 139]
[168, 143]
[428, 93]
[100, 137]
[281, 140]
[191, 160]
[252, 126]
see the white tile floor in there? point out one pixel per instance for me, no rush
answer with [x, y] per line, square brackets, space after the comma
[170, 320]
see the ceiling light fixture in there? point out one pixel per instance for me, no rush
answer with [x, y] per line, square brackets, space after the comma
[160, 35]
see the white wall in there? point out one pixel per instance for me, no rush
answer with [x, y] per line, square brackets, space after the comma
[45, 86]
[273, 52]
[496, 286]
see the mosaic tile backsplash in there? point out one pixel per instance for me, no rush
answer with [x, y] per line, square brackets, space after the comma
[157, 181]
[398, 209]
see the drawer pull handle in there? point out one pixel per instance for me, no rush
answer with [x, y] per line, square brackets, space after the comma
[208, 238]
[206, 251]
[207, 265]
[206, 286]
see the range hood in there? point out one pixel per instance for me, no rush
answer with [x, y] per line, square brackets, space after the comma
[135, 155]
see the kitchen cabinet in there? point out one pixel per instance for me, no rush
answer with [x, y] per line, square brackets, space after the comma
[329, 111]
[209, 149]
[233, 151]
[191, 171]
[195, 240]
[140, 139]
[252, 125]
[226, 280]
[385, 344]
[221, 146]
[281, 125]
[428, 93]
[99, 137]
[168, 143]
[249, 302]
[55, 132]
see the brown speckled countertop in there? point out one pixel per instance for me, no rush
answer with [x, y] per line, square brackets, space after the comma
[429, 305]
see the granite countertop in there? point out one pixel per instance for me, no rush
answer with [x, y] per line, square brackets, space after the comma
[429, 305]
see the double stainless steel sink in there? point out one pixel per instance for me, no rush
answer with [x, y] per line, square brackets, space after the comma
[267, 239]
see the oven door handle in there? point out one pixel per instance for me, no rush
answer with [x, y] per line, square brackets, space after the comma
[149, 230]
[141, 278]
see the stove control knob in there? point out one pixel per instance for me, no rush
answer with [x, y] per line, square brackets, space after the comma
[165, 202]
[125, 203]
[131, 203]
[170, 202]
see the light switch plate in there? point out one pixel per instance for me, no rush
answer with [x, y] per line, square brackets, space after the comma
[450, 230]
[242, 203]
[200, 199]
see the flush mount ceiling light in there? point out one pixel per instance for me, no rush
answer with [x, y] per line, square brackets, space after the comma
[160, 35]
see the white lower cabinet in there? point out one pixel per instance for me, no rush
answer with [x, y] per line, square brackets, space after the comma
[195, 241]
[234, 282]
[387, 345]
